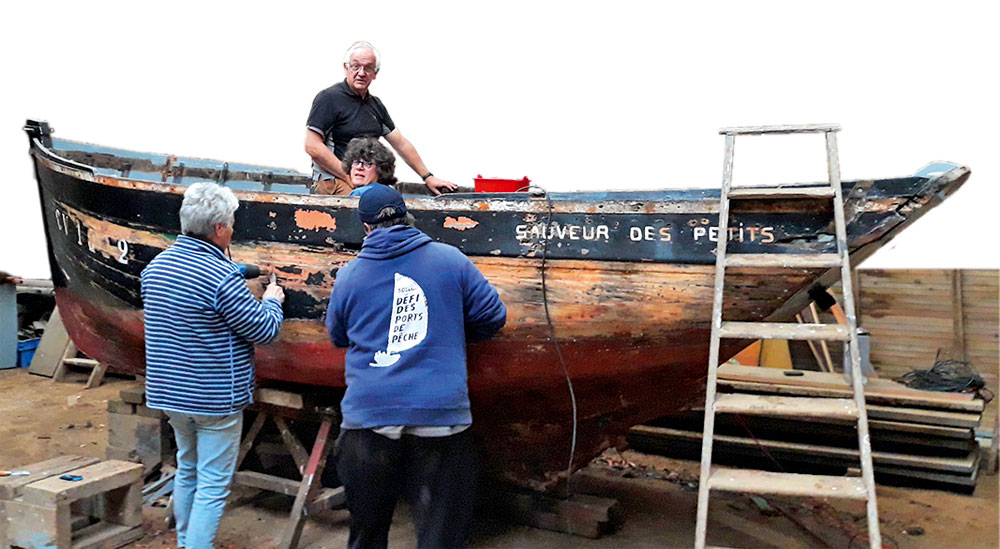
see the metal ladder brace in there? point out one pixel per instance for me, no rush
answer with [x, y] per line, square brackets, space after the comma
[761, 482]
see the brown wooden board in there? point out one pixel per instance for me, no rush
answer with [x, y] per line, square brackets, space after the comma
[881, 390]
[949, 416]
[823, 433]
[644, 436]
[51, 347]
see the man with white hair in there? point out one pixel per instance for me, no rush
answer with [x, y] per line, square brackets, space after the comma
[347, 110]
[201, 326]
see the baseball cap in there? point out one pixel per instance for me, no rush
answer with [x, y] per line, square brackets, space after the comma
[380, 203]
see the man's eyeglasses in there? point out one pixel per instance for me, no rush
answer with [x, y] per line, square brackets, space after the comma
[362, 163]
[354, 67]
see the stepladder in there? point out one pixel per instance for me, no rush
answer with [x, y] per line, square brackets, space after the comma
[853, 410]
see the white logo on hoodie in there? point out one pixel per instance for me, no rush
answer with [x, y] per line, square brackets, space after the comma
[408, 326]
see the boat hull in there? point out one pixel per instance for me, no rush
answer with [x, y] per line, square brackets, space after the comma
[630, 313]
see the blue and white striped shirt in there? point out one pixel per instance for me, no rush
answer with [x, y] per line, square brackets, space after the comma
[201, 325]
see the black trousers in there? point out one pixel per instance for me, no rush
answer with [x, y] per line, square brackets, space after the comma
[436, 474]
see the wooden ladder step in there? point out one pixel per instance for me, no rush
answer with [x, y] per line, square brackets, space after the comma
[799, 407]
[779, 129]
[86, 362]
[784, 330]
[782, 192]
[783, 260]
[786, 484]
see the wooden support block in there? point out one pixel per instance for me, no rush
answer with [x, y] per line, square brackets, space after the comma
[116, 406]
[97, 479]
[43, 514]
[30, 525]
[581, 515]
[146, 411]
[121, 454]
[144, 435]
[284, 399]
[134, 394]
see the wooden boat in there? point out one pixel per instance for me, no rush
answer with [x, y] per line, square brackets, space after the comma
[625, 278]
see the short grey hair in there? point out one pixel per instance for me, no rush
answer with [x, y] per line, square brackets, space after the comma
[204, 205]
[363, 45]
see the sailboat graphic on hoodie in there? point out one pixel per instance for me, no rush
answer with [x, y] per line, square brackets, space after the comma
[408, 326]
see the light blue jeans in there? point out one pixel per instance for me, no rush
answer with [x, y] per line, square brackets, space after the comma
[207, 447]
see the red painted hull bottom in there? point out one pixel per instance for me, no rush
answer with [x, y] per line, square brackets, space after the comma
[522, 411]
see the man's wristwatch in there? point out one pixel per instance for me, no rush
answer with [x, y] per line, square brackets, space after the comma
[425, 176]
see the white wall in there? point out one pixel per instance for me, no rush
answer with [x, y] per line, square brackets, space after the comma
[575, 95]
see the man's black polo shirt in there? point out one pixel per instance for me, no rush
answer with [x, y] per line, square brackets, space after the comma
[339, 115]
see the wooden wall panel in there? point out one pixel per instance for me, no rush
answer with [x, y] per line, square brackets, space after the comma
[911, 314]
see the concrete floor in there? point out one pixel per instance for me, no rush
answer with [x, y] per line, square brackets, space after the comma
[42, 419]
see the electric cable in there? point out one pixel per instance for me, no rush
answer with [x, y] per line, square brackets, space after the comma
[555, 342]
[954, 376]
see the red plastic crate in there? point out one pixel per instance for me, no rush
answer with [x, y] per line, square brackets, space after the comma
[494, 185]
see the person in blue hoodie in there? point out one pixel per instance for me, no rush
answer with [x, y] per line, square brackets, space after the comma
[404, 309]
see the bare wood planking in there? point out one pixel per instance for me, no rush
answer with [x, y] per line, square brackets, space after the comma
[777, 193]
[815, 261]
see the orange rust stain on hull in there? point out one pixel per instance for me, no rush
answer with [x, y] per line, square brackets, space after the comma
[461, 224]
[314, 220]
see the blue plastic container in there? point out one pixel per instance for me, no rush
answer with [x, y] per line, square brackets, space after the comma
[26, 351]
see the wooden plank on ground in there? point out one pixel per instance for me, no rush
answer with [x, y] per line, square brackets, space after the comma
[845, 456]
[51, 347]
[875, 388]
[939, 431]
[968, 406]
[582, 515]
[926, 416]
[916, 415]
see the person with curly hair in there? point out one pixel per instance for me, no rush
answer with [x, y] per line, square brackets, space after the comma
[368, 163]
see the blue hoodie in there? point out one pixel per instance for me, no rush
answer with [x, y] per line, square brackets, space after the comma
[404, 309]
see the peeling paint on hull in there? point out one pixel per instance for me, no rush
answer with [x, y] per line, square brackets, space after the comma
[631, 311]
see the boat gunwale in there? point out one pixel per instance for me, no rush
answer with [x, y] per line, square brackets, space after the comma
[705, 203]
